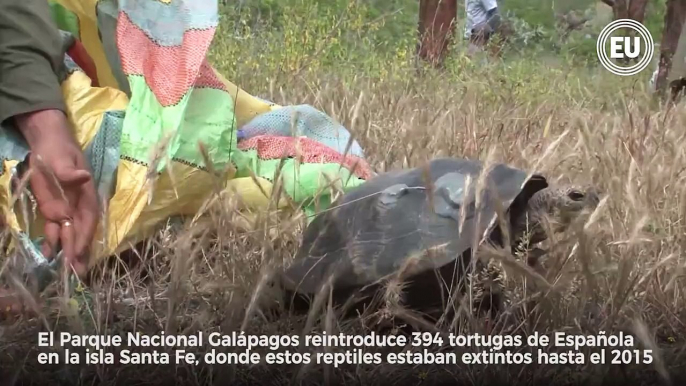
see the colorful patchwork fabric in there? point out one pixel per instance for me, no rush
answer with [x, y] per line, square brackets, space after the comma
[142, 97]
[303, 120]
[305, 150]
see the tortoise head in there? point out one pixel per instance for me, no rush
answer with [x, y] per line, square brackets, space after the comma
[559, 204]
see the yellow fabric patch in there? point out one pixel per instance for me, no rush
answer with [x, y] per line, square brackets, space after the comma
[246, 106]
[86, 104]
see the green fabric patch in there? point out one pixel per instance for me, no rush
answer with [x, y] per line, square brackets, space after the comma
[66, 20]
[203, 115]
[309, 184]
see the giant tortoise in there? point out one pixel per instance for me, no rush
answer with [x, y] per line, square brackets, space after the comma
[373, 231]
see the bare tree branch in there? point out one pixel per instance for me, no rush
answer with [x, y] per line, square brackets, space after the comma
[611, 3]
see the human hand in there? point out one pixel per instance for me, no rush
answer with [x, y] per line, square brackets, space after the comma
[62, 185]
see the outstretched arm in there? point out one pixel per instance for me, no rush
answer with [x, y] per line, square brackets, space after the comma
[30, 57]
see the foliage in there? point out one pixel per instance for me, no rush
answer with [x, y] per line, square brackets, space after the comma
[378, 38]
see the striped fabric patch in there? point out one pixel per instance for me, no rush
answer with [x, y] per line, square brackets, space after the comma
[305, 150]
[162, 51]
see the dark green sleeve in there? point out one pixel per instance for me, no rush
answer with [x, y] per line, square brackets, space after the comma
[30, 57]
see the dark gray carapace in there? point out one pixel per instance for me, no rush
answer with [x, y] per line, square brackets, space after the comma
[375, 228]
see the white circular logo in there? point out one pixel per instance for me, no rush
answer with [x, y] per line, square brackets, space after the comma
[622, 47]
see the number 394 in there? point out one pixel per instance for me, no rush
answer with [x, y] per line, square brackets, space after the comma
[627, 357]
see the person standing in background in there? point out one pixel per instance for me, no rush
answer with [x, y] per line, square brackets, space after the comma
[483, 20]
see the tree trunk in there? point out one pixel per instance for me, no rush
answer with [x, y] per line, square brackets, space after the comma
[436, 26]
[637, 10]
[628, 9]
[674, 23]
[621, 9]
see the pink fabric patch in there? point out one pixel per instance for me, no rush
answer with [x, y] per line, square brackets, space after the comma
[306, 150]
[169, 71]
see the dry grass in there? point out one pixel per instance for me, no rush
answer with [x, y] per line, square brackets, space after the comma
[627, 260]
